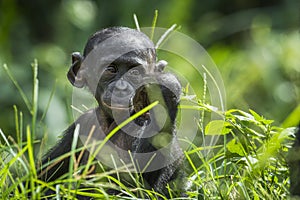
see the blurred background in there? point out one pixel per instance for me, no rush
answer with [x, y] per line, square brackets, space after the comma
[254, 43]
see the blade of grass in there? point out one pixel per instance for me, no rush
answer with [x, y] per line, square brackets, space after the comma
[137, 177]
[72, 157]
[49, 101]
[121, 185]
[165, 35]
[203, 102]
[215, 82]
[17, 125]
[34, 96]
[12, 78]
[12, 151]
[5, 169]
[31, 162]
[57, 191]
[21, 129]
[154, 23]
[136, 22]
[192, 165]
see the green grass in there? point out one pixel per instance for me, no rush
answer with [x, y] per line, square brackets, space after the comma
[248, 162]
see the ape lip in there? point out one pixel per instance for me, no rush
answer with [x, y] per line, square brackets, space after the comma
[118, 106]
[133, 109]
[137, 102]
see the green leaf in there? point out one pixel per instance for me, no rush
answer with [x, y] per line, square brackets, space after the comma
[259, 118]
[217, 127]
[235, 147]
[293, 119]
[255, 115]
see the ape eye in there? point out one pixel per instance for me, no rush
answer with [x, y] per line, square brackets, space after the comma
[134, 72]
[111, 69]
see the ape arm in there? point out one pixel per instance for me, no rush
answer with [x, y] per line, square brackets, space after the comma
[50, 172]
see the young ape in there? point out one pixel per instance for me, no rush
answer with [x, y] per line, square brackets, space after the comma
[120, 68]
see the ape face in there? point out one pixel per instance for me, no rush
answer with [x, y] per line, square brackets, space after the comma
[120, 69]
[120, 82]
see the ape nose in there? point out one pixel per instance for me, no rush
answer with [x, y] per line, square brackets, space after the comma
[123, 89]
[121, 85]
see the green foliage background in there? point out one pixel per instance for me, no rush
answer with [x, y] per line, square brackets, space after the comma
[254, 43]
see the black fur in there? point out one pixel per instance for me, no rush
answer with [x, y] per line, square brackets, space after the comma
[167, 85]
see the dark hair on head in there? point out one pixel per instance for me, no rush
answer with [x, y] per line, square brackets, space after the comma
[106, 33]
[100, 36]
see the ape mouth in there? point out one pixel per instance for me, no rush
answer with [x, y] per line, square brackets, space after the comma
[140, 101]
[133, 104]
[120, 107]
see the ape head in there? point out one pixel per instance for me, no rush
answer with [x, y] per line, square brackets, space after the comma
[119, 66]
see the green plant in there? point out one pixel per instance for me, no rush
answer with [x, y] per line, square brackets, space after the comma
[248, 161]
[249, 164]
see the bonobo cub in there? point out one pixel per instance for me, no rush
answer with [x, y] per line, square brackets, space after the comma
[119, 67]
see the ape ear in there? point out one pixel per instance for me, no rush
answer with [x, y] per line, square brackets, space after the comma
[160, 65]
[74, 77]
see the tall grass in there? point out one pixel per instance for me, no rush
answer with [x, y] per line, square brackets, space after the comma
[247, 163]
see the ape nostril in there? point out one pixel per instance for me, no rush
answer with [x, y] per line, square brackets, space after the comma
[121, 85]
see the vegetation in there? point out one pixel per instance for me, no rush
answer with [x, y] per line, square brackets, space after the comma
[247, 162]
[254, 44]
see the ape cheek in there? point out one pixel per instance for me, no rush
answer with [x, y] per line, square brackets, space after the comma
[100, 95]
